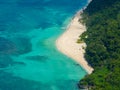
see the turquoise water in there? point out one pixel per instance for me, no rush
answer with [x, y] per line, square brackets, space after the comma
[29, 59]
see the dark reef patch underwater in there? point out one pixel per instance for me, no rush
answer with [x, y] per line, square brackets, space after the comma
[29, 59]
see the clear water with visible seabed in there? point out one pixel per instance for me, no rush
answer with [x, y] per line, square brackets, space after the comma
[29, 59]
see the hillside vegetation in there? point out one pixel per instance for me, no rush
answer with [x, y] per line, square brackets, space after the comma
[102, 18]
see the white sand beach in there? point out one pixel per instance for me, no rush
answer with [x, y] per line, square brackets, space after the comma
[67, 42]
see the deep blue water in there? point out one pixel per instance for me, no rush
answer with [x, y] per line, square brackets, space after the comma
[29, 59]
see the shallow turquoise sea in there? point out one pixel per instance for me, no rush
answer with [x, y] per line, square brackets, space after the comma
[29, 59]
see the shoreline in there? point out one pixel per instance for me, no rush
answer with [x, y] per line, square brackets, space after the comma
[67, 42]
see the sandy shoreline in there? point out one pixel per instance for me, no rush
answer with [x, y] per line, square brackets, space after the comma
[66, 43]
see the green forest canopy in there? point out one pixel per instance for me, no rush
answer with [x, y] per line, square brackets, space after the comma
[102, 18]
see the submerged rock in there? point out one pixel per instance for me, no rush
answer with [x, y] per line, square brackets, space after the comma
[37, 58]
[6, 46]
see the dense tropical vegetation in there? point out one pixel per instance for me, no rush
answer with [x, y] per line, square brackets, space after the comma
[102, 18]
